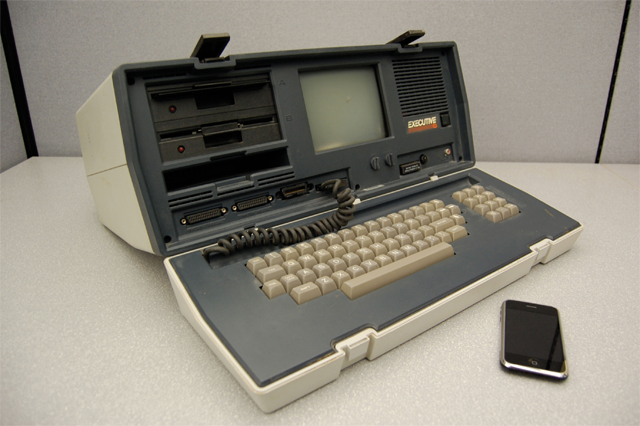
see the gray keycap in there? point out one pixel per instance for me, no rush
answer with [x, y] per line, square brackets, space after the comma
[322, 256]
[408, 250]
[432, 240]
[505, 212]
[500, 201]
[306, 275]
[289, 282]
[459, 196]
[406, 214]
[383, 260]
[423, 220]
[395, 218]
[396, 255]
[417, 210]
[470, 202]
[346, 234]
[494, 217]
[363, 241]
[444, 236]
[442, 224]
[437, 204]
[365, 254]
[336, 250]
[453, 209]
[307, 261]
[384, 221]
[337, 264]
[444, 212]
[332, 239]
[369, 265]
[319, 244]
[270, 273]
[355, 271]
[389, 232]
[351, 259]
[304, 248]
[391, 244]
[483, 209]
[326, 285]
[490, 195]
[305, 293]
[359, 230]
[376, 236]
[350, 246]
[457, 232]
[420, 245]
[322, 270]
[291, 266]
[256, 264]
[403, 239]
[428, 207]
[458, 219]
[339, 277]
[289, 253]
[273, 259]
[372, 225]
[273, 288]
[402, 228]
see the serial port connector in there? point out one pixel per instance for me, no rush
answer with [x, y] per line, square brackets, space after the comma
[193, 218]
[251, 203]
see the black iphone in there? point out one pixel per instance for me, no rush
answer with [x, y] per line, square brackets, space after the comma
[532, 340]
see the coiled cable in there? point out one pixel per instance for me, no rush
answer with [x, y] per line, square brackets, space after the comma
[286, 236]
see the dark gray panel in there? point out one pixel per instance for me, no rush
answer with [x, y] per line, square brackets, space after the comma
[12, 150]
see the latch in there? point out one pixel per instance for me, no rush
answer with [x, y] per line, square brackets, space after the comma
[210, 47]
[407, 38]
[355, 347]
[542, 248]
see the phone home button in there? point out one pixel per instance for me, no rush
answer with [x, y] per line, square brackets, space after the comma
[533, 362]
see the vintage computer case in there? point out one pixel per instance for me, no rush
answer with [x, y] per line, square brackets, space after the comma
[182, 153]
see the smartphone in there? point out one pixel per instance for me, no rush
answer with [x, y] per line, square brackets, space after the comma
[532, 339]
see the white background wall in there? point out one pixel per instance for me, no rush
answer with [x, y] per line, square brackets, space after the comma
[537, 73]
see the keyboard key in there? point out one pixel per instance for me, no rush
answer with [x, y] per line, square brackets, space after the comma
[412, 223]
[505, 212]
[319, 244]
[442, 224]
[384, 221]
[391, 244]
[273, 288]
[481, 198]
[383, 260]
[478, 188]
[417, 210]
[500, 201]
[351, 259]
[289, 253]
[453, 209]
[428, 207]
[355, 271]
[432, 240]
[470, 202]
[396, 255]
[346, 234]
[492, 205]
[406, 214]
[322, 256]
[304, 248]
[395, 218]
[470, 192]
[270, 273]
[444, 236]
[512, 208]
[426, 231]
[359, 230]
[444, 212]
[350, 246]
[378, 249]
[494, 217]
[437, 204]
[332, 239]
[400, 227]
[273, 259]
[423, 220]
[336, 250]
[369, 265]
[337, 264]
[457, 232]
[372, 225]
[291, 266]
[340, 277]
[365, 254]
[289, 282]
[433, 216]
[490, 195]
[306, 275]
[420, 245]
[326, 285]
[304, 293]
[403, 239]
[307, 261]
[458, 219]
[376, 236]
[389, 232]
[374, 280]
[256, 264]
[415, 235]
[459, 196]
[364, 241]
[322, 270]
[483, 209]
[408, 250]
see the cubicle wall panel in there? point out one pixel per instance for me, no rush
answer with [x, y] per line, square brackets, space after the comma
[622, 140]
[537, 73]
[12, 150]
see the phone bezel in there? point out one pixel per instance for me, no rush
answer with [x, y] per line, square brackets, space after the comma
[543, 310]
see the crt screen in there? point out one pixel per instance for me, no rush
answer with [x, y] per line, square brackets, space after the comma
[343, 107]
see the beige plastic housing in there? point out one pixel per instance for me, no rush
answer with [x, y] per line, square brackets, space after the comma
[106, 167]
[367, 343]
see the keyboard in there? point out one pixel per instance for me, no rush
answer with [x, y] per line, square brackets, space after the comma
[286, 319]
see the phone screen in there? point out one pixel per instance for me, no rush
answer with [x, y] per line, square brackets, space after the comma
[532, 336]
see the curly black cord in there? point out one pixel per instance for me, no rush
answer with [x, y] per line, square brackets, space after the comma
[286, 236]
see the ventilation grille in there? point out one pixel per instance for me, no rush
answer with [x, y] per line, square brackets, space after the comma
[275, 179]
[420, 86]
[191, 199]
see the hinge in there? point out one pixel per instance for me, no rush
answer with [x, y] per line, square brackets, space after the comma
[210, 47]
[405, 39]
[542, 248]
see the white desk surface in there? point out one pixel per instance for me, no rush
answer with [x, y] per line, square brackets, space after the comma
[91, 332]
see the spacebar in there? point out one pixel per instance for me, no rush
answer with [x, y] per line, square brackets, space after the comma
[380, 277]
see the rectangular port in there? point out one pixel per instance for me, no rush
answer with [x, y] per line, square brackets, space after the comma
[294, 190]
[254, 202]
[412, 167]
[194, 218]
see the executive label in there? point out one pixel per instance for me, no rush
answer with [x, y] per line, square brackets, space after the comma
[422, 124]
